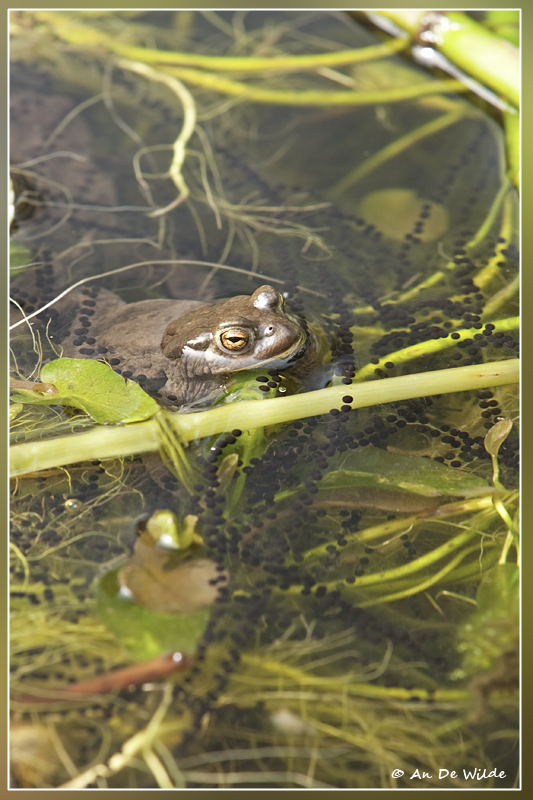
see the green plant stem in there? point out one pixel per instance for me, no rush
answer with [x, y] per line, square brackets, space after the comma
[398, 526]
[360, 688]
[255, 64]
[86, 36]
[492, 61]
[501, 200]
[430, 347]
[506, 547]
[397, 573]
[491, 270]
[511, 120]
[397, 147]
[121, 441]
[131, 748]
[311, 97]
[416, 588]
[505, 23]
[504, 514]
[489, 220]
[187, 130]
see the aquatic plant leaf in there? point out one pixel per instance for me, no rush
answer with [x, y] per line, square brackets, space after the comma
[93, 387]
[499, 590]
[489, 638]
[497, 436]
[379, 468]
[144, 632]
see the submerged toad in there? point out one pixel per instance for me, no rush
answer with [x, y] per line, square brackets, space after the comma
[186, 349]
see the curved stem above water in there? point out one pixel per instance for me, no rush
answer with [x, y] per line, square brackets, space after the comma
[117, 442]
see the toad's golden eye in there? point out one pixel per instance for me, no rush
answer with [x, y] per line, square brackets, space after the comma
[235, 339]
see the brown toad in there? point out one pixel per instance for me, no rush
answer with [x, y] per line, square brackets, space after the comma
[186, 350]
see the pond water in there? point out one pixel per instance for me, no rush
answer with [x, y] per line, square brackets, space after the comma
[319, 576]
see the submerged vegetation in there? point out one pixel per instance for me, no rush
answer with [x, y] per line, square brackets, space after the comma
[305, 584]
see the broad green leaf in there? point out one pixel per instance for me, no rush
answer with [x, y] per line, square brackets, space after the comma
[379, 468]
[499, 590]
[488, 640]
[144, 632]
[93, 387]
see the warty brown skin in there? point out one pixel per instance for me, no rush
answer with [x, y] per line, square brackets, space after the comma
[193, 346]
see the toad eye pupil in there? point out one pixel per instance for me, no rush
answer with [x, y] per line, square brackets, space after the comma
[235, 340]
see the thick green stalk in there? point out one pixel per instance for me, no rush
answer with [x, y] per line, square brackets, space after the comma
[116, 442]
[511, 121]
[492, 61]
[505, 23]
